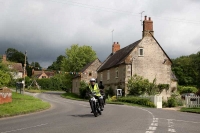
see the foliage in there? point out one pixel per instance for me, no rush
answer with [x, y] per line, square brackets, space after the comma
[173, 101]
[5, 76]
[83, 89]
[109, 92]
[187, 89]
[161, 87]
[77, 57]
[187, 69]
[152, 88]
[36, 66]
[14, 55]
[137, 85]
[57, 65]
[137, 100]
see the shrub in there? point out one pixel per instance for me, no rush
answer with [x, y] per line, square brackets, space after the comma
[109, 92]
[83, 89]
[171, 102]
[137, 100]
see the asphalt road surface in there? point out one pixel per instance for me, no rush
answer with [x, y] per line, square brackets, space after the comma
[70, 116]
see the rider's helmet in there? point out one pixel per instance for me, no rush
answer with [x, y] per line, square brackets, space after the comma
[92, 80]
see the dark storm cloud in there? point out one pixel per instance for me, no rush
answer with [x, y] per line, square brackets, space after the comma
[46, 28]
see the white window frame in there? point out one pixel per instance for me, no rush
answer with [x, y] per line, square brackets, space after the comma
[139, 52]
[108, 74]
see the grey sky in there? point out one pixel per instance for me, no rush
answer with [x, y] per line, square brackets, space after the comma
[45, 28]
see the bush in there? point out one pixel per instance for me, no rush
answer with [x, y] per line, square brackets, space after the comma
[83, 89]
[171, 102]
[109, 92]
[137, 100]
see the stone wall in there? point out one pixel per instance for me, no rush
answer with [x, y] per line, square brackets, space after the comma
[5, 95]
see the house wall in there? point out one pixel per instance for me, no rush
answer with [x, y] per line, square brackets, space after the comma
[115, 82]
[90, 72]
[153, 64]
[17, 75]
[43, 75]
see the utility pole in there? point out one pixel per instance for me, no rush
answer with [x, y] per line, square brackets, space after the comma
[24, 72]
[141, 17]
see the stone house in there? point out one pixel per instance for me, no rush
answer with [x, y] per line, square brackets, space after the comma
[88, 71]
[144, 57]
[17, 70]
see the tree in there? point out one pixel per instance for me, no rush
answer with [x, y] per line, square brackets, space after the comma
[5, 76]
[36, 66]
[57, 65]
[15, 56]
[77, 57]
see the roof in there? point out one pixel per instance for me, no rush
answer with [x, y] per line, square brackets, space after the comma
[118, 57]
[39, 73]
[16, 66]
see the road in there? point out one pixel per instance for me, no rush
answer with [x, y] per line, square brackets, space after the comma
[70, 116]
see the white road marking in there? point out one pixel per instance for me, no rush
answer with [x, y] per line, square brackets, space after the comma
[25, 128]
[171, 126]
[181, 120]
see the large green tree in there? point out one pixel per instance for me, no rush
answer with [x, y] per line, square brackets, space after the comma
[187, 69]
[77, 57]
[15, 56]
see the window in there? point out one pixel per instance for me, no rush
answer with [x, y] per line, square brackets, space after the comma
[108, 74]
[90, 73]
[141, 52]
[116, 73]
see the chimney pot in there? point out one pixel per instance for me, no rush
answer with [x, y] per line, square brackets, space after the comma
[149, 18]
[117, 42]
[145, 17]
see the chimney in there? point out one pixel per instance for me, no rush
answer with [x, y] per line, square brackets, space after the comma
[115, 47]
[4, 58]
[147, 26]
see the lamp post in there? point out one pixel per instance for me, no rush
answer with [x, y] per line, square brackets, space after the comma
[24, 72]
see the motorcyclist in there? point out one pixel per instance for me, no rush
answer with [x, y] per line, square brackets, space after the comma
[94, 88]
[101, 87]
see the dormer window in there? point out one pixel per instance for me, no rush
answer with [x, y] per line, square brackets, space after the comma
[141, 52]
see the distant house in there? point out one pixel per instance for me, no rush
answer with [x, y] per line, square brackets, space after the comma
[16, 68]
[88, 71]
[42, 74]
[144, 57]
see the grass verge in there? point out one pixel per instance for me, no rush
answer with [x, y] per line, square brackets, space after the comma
[22, 104]
[191, 110]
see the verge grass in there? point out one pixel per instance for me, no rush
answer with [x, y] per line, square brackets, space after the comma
[191, 110]
[22, 104]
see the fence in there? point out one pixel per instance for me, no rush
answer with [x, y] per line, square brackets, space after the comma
[157, 100]
[192, 101]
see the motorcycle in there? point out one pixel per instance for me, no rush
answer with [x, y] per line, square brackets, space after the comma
[95, 105]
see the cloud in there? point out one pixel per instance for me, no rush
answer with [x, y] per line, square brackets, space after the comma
[45, 28]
